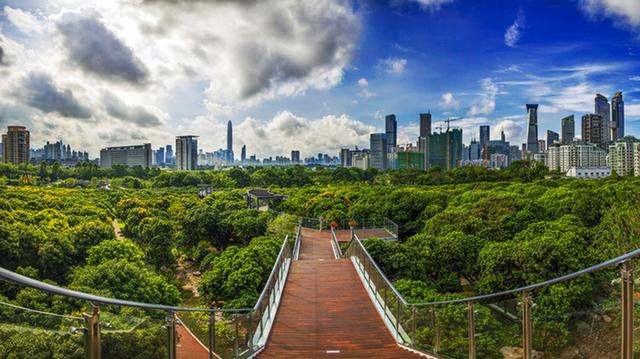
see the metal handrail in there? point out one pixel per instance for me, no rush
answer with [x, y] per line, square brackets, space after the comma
[275, 268]
[335, 243]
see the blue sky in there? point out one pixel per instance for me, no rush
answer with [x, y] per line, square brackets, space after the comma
[314, 76]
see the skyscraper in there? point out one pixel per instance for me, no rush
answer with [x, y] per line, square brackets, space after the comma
[485, 136]
[391, 130]
[602, 108]
[295, 156]
[568, 129]
[160, 156]
[532, 128]
[446, 149]
[345, 157]
[425, 124]
[593, 130]
[186, 152]
[168, 154]
[15, 145]
[378, 151]
[243, 154]
[552, 137]
[229, 142]
[617, 117]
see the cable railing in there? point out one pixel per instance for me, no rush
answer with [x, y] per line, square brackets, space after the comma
[224, 333]
[521, 322]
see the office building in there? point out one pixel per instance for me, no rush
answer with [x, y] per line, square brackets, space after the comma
[160, 157]
[621, 157]
[485, 135]
[553, 158]
[532, 128]
[130, 156]
[168, 154]
[552, 137]
[474, 150]
[515, 153]
[446, 149]
[229, 152]
[593, 129]
[425, 124]
[423, 140]
[243, 153]
[602, 108]
[498, 160]
[186, 152]
[295, 156]
[542, 145]
[568, 129]
[360, 159]
[378, 150]
[617, 117]
[16, 148]
[391, 131]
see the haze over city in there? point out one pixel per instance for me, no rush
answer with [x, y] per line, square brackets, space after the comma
[313, 77]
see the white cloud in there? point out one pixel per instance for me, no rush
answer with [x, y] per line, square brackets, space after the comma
[512, 34]
[487, 101]
[626, 13]
[449, 101]
[432, 5]
[364, 88]
[394, 65]
[513, 131]
[25, 21]
[634, 78]
[632, 110]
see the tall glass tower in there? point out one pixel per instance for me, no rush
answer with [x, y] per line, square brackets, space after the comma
[568, 129]
[391, 130]
[603, 109]
[532, 128]
[229, 142]
[617, 116]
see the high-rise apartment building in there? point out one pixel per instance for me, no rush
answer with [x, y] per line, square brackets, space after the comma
[423, 139]
[425, 124]
[552, 137]
[593, 129]
[581, 155]
[360, 159]
[186, 152]
[621, 157]
[617, 117]
[295, 156]
[602, 108]
[378, 150]
[568, 129]
[345, 157]
[16, 147]
[130, 156]
[532, 128]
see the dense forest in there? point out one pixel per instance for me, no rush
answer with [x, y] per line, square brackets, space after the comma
[465, 232]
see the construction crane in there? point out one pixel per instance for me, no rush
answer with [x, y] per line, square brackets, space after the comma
[448, 121]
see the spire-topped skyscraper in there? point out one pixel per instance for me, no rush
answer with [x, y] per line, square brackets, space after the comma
[229, 142]
[532, 131]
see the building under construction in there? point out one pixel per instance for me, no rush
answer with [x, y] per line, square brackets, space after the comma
[445, 149]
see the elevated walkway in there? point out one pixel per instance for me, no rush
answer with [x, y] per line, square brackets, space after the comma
[325, 311]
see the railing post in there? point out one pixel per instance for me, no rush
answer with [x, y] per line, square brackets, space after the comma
[434, 318]
[212, 334]
[92, 333]
[235, 341]
[472, 330]
[413, 326]
[171, 335]
[527, 344]
[385, 300]
[626, 276]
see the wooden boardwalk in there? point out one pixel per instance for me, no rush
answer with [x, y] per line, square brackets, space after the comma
[325, 311]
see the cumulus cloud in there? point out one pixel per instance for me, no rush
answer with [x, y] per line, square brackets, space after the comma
[513, 131]
[97, 50]
[363, 84]
[449, 101]
[487, 100]
[626, 13]
[137, 115]
[286, 132]
[512, 34]
[39, 91]
[394, 65]
[634, 78]
[25, 21]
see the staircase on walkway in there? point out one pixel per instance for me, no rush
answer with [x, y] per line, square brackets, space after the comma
[325, 311]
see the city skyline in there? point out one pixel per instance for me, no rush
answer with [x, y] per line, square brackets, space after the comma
[153, 88]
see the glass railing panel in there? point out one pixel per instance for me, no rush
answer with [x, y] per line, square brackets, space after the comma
[130, 332]
[498, 326]
[452, 324]
[579, 317]
[246, 330]
[35, 334]
[227, 342]
[425, 333]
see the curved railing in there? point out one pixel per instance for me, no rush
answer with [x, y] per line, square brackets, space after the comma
[507, 320]
[244, 330]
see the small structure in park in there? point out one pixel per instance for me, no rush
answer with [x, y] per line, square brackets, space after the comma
[204, 190]
[262, 199]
